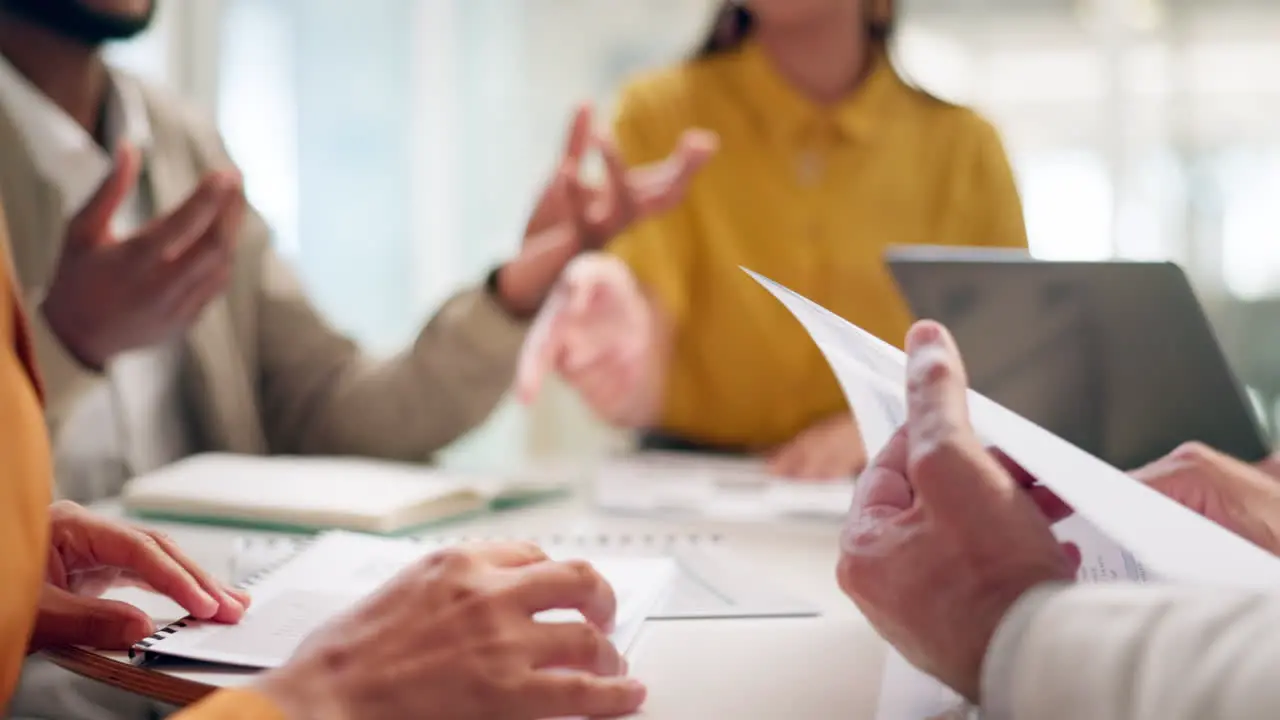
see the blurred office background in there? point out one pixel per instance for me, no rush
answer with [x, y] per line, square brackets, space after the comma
[396, 145]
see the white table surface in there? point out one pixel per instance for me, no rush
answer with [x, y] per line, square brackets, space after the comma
[755, 669]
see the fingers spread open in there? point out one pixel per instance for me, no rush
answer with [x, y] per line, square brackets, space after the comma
[93, 222]
[579, 137]
[169, 235]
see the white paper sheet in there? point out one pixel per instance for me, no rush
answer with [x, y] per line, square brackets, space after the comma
[339, 569]
[1171, 541]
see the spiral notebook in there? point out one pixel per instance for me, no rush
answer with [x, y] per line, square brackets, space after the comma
[712, 580]
[336, 570]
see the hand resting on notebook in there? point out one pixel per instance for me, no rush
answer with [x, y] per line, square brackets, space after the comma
[89, 554]
[454, 636]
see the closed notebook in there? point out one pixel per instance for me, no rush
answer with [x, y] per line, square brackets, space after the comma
[309, 494]
[335, 571]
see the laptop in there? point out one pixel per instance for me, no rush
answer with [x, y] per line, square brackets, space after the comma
[1116, 357]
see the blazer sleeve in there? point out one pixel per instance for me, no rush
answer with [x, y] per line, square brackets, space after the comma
[321, 394]
[1136, 652]
[318, 392]
[232, 705]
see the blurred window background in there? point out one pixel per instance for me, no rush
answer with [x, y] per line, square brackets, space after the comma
[396, 146]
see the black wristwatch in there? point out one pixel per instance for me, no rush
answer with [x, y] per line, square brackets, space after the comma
[491, 281]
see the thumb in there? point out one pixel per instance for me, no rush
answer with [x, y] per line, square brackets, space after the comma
[541, 346]
[67, 619]
[92, 224]
[696, 148]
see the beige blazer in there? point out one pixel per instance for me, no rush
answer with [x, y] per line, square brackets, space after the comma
[263, 371]
[1114, 651]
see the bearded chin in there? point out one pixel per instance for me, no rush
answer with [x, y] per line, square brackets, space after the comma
[72, 20]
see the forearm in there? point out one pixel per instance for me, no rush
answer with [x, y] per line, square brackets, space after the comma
[1127, 652]
[412, 405]
[233, 704]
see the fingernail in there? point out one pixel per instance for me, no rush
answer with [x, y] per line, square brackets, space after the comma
[209, 602]
[636, 687]
[923, 333]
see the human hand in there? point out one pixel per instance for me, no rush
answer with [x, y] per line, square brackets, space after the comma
[829, 449]
[627, 195]
[942, 540]
[1270, 465]
[88, 554]
[1233, 494]
[454, 637]
[109, 294]
[599, 332]
[572, 217]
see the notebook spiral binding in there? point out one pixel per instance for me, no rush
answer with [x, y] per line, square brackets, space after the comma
[288, 548]
[138, 651]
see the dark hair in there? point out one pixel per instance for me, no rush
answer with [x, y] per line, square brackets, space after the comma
[734, 22]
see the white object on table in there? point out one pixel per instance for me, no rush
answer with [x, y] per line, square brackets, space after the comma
[712, 581]
[720, 488]
[358, 494]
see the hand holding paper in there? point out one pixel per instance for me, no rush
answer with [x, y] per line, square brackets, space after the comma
[941, 540]
[1169, 540]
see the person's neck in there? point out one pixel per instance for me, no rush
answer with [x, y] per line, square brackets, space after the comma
[70, 74]
[825, 59]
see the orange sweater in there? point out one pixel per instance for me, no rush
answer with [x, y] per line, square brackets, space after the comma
[25, 473]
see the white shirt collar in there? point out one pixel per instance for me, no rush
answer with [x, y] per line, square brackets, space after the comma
[63, 153]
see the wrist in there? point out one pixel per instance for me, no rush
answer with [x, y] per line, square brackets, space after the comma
[64, 328]
[523, 283]
[303, 690]
[509, 286]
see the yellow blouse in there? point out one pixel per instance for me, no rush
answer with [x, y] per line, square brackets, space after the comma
[811, 197]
